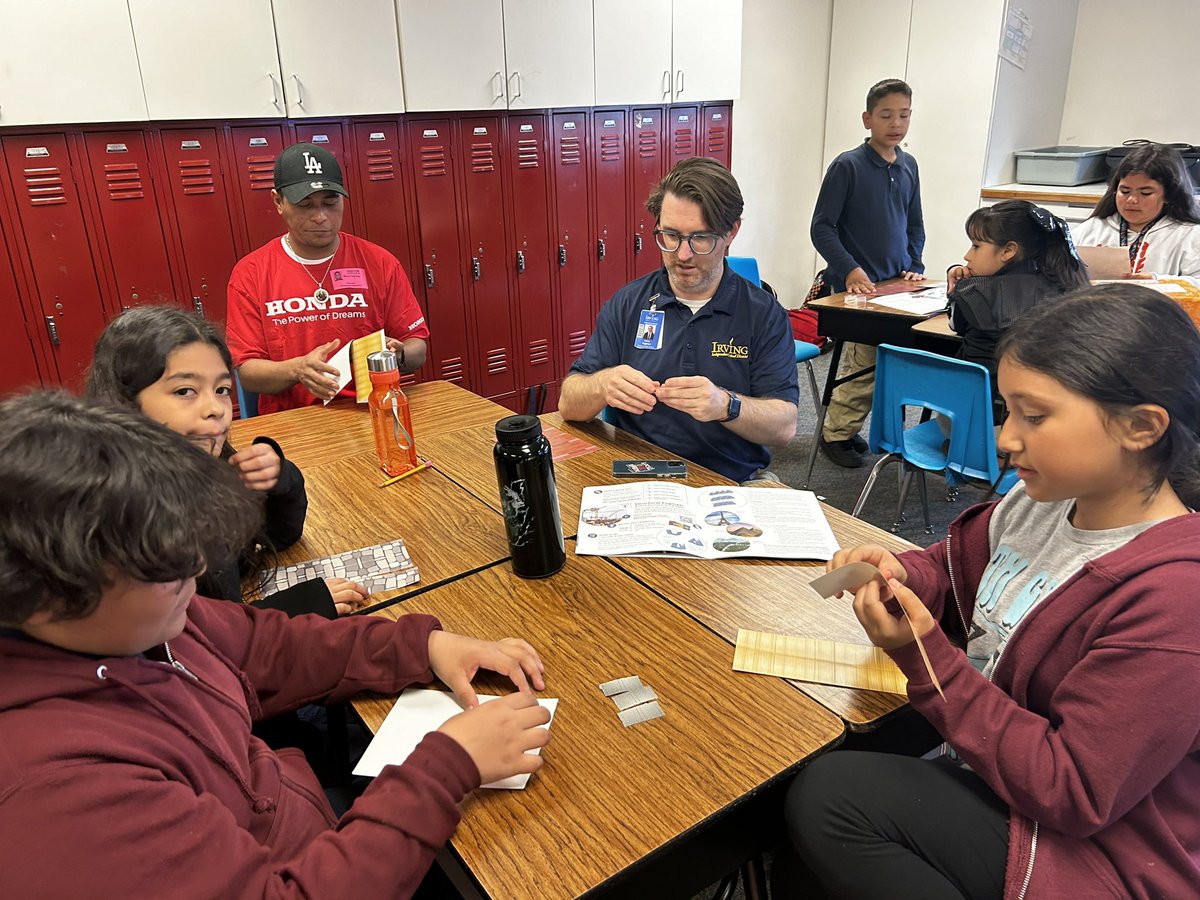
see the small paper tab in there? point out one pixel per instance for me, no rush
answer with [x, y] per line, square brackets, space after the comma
[620, 685]
[847, 578]
[639, 714]
[635, 697]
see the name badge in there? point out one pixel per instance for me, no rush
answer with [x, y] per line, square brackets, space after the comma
[649, 330]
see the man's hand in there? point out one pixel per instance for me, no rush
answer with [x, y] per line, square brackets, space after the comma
[913, 276]
[455, 659]
[258, 466]
[628, 389]
[499, 734]
[696, 396]
[316, 374]
[857, 282]
[347, 595]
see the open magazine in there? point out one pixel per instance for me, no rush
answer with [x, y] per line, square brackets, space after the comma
[655, 517]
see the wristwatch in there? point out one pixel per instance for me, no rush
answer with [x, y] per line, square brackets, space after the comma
[735, 407]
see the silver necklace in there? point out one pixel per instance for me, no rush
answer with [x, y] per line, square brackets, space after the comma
[320, 295]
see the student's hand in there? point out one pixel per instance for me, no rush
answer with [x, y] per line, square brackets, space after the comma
[258, 466]
[882, 559]
[628, 389]
[857, 282]
[913, 276]
[347, 595]
[696, 396]
[887, 631]
[954, 275]
[1141, 276]
[455, 659]
[316, 374]
[499, 734]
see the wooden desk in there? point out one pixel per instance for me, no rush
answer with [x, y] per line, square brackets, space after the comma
[313, 435]
[466, 457]
[613, 805]
[934, 334]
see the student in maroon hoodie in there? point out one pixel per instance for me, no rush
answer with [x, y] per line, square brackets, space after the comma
[127, 766]
[1064, 628]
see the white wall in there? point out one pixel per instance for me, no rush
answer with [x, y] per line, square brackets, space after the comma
[778, 136]
[1135, 72]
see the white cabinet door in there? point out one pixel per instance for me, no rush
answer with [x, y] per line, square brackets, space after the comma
[706, 47]
[65, 61]
[548, 48]
[210, 60]
[349, 67]
[452, 54]
[633, 52]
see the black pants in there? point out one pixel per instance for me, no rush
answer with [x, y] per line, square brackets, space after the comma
[879, 825]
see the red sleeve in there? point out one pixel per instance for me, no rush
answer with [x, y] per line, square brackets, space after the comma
[243, 324]
[404, 317]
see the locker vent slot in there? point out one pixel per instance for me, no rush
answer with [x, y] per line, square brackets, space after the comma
[497, 361]
[45, 186]
[433, 160]
[685, 142]
[196, 176]
[261, 170]
[647, 144]
[576, 341]
[539, 352]
[452, 369]
[124, 181]
[718, 139]
[483, 158]
[569, 153]
[610, 147]
[381, 165]
[527, 154]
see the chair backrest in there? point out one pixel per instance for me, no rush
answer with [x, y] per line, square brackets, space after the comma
[247, 400]
[746, 266]
[959, 390]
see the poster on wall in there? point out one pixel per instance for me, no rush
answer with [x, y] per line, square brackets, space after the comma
[1018, 32]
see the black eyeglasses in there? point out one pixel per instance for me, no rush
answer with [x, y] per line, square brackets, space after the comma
[701, 242]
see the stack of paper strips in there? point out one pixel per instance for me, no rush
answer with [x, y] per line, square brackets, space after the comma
[383, 567]
[636, 702]
[823, 662]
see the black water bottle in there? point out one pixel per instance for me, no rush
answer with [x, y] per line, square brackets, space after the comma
[525, 472]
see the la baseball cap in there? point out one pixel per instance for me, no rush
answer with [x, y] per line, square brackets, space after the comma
[304, 169]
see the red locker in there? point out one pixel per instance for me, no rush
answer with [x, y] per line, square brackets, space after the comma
[430, 142]
[647, 168]
[380, 201]
[255, 148]
[487, 257]
[572, 215]
[200, 202]
[133, 234]
[56, 237]
[684, 133]
[329, 135]
[528, 168]
[716, 122]
[613, 243]
[18, 364]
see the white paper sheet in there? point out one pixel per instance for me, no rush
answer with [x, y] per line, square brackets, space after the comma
[417, 712]
[918, 304]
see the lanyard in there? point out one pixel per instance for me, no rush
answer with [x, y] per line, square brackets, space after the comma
[1137, 242]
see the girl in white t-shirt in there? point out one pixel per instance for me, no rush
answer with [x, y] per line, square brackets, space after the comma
[1150, 207]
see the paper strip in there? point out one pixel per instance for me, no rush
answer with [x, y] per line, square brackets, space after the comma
[619, 685]
[823, 662]
[635, 697]
[638, 714]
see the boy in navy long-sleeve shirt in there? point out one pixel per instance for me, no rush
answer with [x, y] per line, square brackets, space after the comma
[868, 226]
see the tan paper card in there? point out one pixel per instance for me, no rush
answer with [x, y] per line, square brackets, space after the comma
[823, 662]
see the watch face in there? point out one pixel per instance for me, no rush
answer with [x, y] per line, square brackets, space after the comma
[735, 407]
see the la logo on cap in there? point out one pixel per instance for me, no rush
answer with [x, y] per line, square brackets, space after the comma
[312, 166]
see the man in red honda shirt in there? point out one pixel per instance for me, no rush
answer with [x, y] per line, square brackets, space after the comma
[294, 301]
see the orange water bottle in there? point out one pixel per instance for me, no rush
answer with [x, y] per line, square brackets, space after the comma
[390, 416]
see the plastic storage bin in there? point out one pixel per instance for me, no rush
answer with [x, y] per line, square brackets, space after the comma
[1062, 165]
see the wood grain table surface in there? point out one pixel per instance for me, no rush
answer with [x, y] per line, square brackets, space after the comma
[609, 796]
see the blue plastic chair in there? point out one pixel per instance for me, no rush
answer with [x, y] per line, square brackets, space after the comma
[960, 391]
[747, 267]
[247, 400]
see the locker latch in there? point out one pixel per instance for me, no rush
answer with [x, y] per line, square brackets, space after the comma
[637, 243]
[52, 327]
[600, 248]
[429, 276]
[520, 261]
[475, 268]
[562, 255]
[198, 305]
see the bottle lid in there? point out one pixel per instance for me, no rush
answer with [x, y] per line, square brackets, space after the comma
[382, 361]
[518, 429]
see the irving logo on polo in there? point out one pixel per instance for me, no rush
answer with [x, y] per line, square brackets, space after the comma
[730, 350]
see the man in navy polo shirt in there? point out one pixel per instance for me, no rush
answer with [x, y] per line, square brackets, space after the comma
[693, 357]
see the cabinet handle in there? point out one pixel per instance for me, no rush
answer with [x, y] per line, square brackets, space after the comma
[429, 276]
[299, 90]
[498, 86]
[678, 84]
[274, 91]
[600, 248]
[516, 75]
[476, 269]
[666, 84]
[198, 306]
[562, 255]
[520, 261]
[637, 243]
[52, 327]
